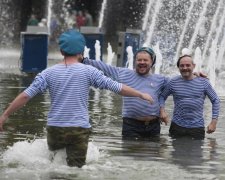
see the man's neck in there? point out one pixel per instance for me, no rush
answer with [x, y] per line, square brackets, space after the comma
[70, 60]
[189, 77]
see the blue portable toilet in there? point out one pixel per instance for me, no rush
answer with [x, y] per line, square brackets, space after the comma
[131, 38]
[92, 34]
[34, 49]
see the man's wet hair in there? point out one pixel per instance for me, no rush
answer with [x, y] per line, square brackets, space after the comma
[178, 61]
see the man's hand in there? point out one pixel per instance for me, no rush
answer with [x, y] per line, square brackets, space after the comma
[147, 97]
[2, 120]
[164, 117]
[212, 126]
[200, 74]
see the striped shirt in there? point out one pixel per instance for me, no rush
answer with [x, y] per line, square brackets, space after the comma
[68, 87]
[152, 84]
[189, 96]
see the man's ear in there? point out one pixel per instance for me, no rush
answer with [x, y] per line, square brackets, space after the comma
[62, 52]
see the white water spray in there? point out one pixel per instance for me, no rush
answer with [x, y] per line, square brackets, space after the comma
[151, 27]
[212, 29]
[199, 23]
[186, 51]
[110, 54]
[130, 56]
[36, 154]
[86, 52]
[102, 13]
[97, 50]
[212, 64]
[184, 30]
[158, 63]
[219, 31]
[146, 16]
[198, 60]
[49, 13]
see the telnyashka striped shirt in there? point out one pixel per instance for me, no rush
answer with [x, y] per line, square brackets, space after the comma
[68, 87]
[152, 84]
[189, 96]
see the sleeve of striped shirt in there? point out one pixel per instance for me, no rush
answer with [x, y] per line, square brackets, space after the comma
[99, 80]
[108, 70]
[164, 94]
[39, 85]
[211, 93]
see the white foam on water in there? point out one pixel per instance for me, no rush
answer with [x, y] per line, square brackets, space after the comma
[26, 159]
[36, 153]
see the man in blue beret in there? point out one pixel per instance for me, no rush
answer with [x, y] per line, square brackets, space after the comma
[68, 83]
[140, 119]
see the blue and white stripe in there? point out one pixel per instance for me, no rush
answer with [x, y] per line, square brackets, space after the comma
[189, 97]
[69, 90]
[151, 84]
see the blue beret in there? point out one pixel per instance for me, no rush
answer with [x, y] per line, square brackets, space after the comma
[72, 42]
[150, 51]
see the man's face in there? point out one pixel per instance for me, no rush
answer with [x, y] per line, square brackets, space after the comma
[143, 63]
[186, 67]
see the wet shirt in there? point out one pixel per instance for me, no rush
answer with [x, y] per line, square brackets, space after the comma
[68, 87]
[189, 97]
[152, 84]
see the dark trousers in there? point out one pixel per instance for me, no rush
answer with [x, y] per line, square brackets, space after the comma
[74, 139]
[138, 129]
[178, 131]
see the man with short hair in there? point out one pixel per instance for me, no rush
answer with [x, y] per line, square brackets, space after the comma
[189, 93]
[140, 119]
[68, 83]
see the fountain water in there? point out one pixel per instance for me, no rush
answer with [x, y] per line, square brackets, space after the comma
[97, 50]
[184, 30]
[130, 57]
[158, 63]
[110, 54]
[116, 155]
[86, 52]
[198, 25]
[146, 16]
[49, 13]
[212, 28]
[153, 22]
[101, 18]
[198, 60]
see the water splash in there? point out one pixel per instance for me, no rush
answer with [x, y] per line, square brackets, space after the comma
[186, 51]
[130, 57]
[211, 64]
[198, 60]
[184, 30]
[199, 23]
[212, 28]
[151, 27]
[146, 16]
[219, 31]
[49, 13]
[158, 64]
[86, 52]
[221, 52]
[102, 13]
[110, 54]
[36, 154]
[97, 50]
